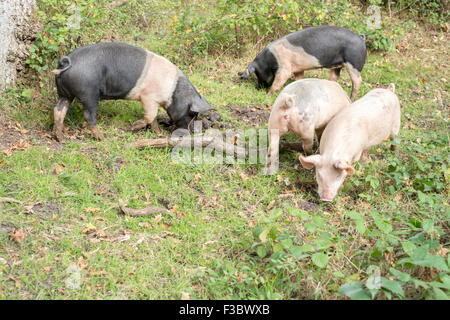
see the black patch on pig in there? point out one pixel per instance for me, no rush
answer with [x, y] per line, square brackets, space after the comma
[186, 103]
[331, 45]
[101, 71]
[266, 66]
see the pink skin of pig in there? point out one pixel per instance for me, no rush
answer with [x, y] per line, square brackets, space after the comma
[365, 123]
[304, 107]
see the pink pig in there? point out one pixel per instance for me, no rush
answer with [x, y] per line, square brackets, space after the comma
[365, 123]
[303, 107]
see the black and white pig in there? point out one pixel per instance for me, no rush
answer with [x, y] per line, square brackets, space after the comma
[315, 47]
[121, 71]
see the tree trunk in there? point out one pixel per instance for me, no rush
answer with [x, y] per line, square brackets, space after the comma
[18, 26]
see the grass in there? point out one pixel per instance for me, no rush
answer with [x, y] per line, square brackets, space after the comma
[231, 232]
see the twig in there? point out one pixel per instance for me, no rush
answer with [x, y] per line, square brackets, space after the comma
[10, 200]
[203, 141]
[141, 212]
[200, 141]
[116, 3]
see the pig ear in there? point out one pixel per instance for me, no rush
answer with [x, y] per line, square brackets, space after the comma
[345, 166]
[289, 100]
[391, 87]
[248, 71]
[311, 161]
[200, 105]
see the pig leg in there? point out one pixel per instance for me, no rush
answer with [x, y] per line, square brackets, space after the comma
[272, 161]
[395, 129]
[280, 78]
[299, 75]
[155, 127]
[356, 80]
[319, 134]
[335, 73]
[308, 141]
[59, 113]
[90, 106]
[150, 113]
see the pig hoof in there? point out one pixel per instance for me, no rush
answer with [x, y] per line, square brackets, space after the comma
[268, 171]
[138, 125]
[98, 136]
[58, 137]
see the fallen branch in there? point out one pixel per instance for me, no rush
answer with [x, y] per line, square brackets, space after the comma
[10, 200]
[116, 3]
[141, 212]
[203, 141]
[190, 142]
[171, 142]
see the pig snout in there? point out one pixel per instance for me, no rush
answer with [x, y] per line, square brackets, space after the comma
[327, 197]
[327, 194]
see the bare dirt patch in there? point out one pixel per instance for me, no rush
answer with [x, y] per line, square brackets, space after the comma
[47, 209]
[13, 136]
[308, 206]
[254, 115]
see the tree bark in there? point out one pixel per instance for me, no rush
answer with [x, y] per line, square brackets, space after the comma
[18, 27]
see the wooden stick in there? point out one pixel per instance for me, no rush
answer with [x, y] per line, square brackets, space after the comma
[116, 3]
[141, 212]
[10, 200]
[171, 142]
[200, 141]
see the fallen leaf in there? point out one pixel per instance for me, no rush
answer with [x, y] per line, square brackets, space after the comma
[144, 224]
[244, 176]
[123, 238]
[157, 219]
[398, 197]
[16, 281]
[166, 234]
[17, 235]
[185, 296]
[91, 210]
[81, 263]
[22, 145]
[97, 273]
[197, 177]
[271, 204]
[7, 152]
[100, 234]
[208, 243]
[89, 228]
